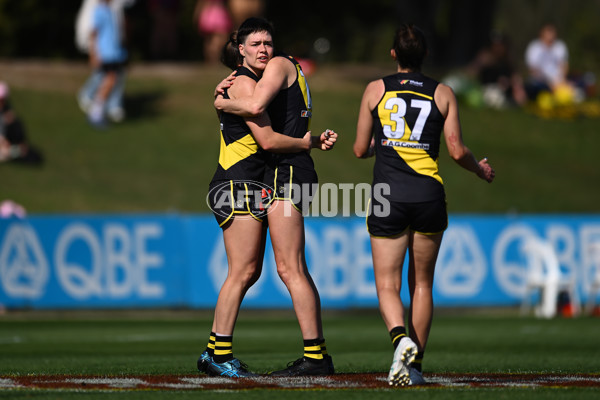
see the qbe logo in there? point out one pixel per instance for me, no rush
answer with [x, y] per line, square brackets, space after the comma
[23, 266]
[462, 266]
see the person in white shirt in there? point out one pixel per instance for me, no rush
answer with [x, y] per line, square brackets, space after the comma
[547, 59]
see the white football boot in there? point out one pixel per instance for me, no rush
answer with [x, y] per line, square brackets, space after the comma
[403, 356]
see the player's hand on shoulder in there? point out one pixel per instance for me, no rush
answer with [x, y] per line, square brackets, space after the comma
[225, 84]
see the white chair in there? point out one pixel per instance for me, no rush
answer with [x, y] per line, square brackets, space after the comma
[595, 284]
[545, 277]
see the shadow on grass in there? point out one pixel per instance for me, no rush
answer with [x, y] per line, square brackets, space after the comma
[143, 105]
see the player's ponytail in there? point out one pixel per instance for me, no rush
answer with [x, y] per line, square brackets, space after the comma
[410, 46]
[230, 56]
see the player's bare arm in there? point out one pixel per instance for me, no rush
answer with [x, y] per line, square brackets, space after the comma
[273, 141]
[448, 106]
[275, 77]
[261, 126]
[363, 144]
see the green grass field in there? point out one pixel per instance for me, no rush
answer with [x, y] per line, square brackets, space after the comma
[161, 160]
[163, 156]
[168, 342]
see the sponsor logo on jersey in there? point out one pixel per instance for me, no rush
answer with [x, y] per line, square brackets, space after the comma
[305, 114]
[400, 143]
[411, 82]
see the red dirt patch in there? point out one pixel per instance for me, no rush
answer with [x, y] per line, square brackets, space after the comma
[338, 381]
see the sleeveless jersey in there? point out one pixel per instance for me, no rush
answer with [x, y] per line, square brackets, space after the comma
[290, 113]
[407, 128]
[240, 157]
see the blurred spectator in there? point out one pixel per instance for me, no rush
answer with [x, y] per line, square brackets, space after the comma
[550, 81]
[241, 10]
[10, 209]
[495, 71]
[547, 59]
[164, 40]
[100, 33]
[14, 145]
[83, 31]
[83, 25]
[214, 24]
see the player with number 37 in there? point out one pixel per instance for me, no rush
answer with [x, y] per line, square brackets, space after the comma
[400, 121]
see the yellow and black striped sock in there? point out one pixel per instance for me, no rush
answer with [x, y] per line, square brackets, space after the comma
[396, 334]
[312, 350]
[323, 347]
[210, 347]
[223, 348]
[418, 363]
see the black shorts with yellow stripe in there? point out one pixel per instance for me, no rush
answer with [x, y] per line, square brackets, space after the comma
[294, 184]
[238, 199]
[388, 218]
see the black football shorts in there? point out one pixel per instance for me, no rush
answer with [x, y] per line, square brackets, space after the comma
[393, 218]
[294, 184]
[238, 199]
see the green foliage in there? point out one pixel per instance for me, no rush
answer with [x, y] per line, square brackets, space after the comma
[357, 31]
[32, 28]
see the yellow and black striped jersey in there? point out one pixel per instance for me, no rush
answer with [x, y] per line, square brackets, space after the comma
[290, 113]
[240, 157]
[407, 128]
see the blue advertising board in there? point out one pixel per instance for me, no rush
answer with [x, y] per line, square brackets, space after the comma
[179, 260]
